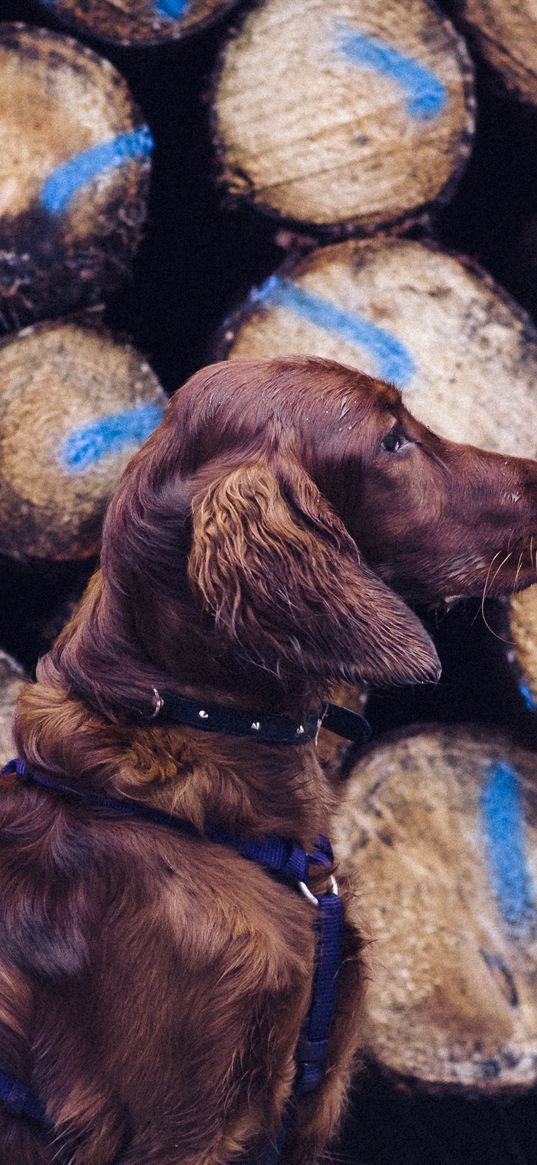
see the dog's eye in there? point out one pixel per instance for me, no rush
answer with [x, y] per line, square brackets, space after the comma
[394, 440]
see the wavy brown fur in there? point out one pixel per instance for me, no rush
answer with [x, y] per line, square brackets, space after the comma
[152, 987]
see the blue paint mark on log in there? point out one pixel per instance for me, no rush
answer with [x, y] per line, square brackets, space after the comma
[426, 94]
[64, 182]
[503, 826]
[527, 697]
[86, 446]
[392, 358]
[164, 8]
[171, 8]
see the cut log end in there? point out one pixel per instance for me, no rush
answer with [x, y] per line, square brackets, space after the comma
[440, 830]
[75, 406]
[76, 162]
[138, 22]
[339, 122]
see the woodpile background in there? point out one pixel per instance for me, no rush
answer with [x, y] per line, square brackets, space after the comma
[74, 179]
[370, 197]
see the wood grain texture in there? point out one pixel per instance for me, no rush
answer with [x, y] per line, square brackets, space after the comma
[343, 116]
[75, 404]
[463, 352]
[75, 169]
[440, 830]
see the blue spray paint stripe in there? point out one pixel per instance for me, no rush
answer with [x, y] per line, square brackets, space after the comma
[164, 8]
[426, 94]
[84, 167]
[528, 697]
[171, 8]
[392, 358]
[86, 446]
[503, 827]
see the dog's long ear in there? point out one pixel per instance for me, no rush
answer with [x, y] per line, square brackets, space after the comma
[283, 580]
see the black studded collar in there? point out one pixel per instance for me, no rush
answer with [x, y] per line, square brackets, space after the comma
[270, 728]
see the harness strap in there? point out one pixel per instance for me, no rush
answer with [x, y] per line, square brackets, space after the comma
[271, 1153]
[19, 1099]
[313, 1043]
[278, 855]
[312, 1051]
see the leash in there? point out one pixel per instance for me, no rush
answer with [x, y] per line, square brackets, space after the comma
[280, 856]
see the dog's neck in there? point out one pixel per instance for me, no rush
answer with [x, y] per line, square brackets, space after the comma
[241, 783]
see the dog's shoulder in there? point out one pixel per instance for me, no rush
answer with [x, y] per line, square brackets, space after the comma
[74, 883]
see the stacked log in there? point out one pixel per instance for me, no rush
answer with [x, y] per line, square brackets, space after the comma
[521, 624]
[440, 831]
[505, 33]
[11, 681]
[75, 404]
[339, 118]
[75, 169]
[138, 22]
[463, 352]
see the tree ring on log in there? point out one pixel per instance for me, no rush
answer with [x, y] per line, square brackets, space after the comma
[75, 405]
[340, 118]
[440, 829]
[75, 163]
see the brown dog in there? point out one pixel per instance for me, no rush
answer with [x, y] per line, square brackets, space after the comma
[153, 985]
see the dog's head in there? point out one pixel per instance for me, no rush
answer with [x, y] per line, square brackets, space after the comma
[271, 528]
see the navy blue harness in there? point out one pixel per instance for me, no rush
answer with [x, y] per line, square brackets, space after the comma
[279, 856]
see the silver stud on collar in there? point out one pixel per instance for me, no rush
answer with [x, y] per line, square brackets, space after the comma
[255, 727]
[203, 715]
[158, 704]
[300, 730]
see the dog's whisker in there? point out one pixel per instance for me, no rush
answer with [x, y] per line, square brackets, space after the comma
[493, 632]
[518, 569]
[498, 569]
[497, 555]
